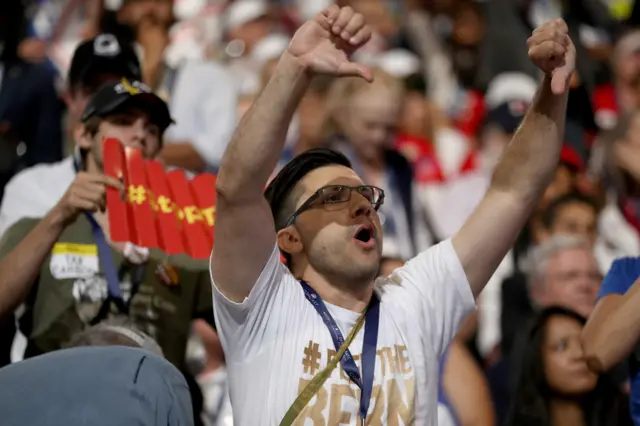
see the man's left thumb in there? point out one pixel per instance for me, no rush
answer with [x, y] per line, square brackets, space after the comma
[560, 81]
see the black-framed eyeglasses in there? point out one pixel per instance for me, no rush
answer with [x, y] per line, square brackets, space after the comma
[332, 196]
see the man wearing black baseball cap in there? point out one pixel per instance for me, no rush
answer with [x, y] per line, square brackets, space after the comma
[112, 97]
[95, 62]
[103, 56]
[70, 295]
[128, 111]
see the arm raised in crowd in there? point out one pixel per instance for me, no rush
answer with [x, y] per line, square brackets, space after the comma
[21, 266]
[613, 329]
[528, 164]
[245, 232]
[465, 385]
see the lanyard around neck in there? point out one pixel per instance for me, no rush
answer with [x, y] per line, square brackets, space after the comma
[104, 252]
[369, 344]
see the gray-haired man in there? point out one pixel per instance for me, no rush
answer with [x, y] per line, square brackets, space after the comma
[564, 272]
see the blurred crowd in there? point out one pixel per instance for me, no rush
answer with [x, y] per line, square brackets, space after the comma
[452, 82]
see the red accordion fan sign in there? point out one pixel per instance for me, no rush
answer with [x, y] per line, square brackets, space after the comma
[159, 209]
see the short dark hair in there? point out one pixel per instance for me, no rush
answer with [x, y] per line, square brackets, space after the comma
[92, 125]
[281, 193]
[550, 214]
[415, 83]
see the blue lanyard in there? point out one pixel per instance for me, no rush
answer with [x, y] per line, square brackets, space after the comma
[104, 253]
[369, 345]
[106, 259]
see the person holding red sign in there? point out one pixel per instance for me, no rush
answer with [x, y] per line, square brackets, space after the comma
[318, 341]
[70, 271]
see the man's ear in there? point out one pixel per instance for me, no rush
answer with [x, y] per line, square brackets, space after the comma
[289, 240]
[82, 136]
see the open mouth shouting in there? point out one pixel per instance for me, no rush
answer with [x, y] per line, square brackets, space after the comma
[365, 236]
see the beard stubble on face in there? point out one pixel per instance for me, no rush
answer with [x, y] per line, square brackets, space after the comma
[339, 259]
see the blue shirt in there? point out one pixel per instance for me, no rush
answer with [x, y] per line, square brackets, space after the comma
[623, 273]
[95, 386]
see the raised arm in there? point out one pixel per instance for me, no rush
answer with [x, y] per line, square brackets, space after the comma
[466, 386]
[613, 329]
[528, 164]
[245, 231]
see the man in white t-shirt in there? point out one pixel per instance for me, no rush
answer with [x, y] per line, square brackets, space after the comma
[280, 325]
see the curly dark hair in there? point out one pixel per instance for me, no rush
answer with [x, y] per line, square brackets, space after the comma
[603, 406]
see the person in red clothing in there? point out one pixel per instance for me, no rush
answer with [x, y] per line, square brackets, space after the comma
[436, 149]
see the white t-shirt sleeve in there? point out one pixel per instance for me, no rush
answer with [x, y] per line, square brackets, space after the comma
[244, 328]
[435, 283]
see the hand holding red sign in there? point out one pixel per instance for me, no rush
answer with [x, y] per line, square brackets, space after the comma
[86, 193]
[161, 209]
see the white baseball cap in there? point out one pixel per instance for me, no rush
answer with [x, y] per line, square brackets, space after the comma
[242, 12]
[400, 63]
[270, 47]
[510, 86]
